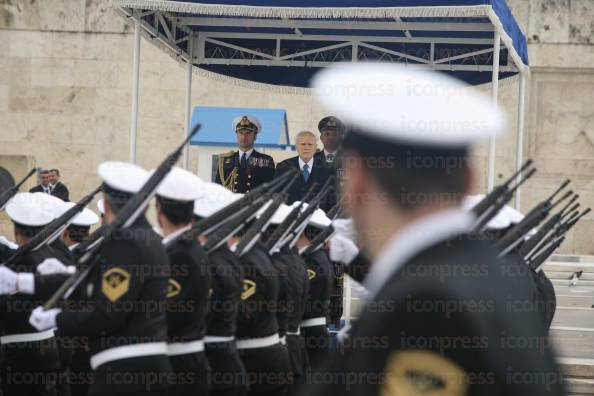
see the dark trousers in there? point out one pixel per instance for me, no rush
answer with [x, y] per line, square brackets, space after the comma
[227, 375]
[317, 343]
[299, 362]
[268, 370]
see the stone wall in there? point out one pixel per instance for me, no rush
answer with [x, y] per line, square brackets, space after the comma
[65, 83]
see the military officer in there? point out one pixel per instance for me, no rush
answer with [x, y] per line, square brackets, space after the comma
[80, 227]
[331, 134]
[126, 326]
[228, 377]
[188, 288]
[30, 356]
[320, 272]
[436, 319]
[245, 169]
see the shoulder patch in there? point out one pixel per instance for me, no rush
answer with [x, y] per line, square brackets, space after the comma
[311, 274]
[227, 154]
[173, 288]
[423, 373]
[249, 288]
[115, 283]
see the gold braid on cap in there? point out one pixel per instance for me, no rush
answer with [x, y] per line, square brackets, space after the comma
[245, 123]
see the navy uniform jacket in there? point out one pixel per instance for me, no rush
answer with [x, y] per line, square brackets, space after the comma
[319, 174]
[123, 303]
[320, 272]
[259, 170]
[449, 321]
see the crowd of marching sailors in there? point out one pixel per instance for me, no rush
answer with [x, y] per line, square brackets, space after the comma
[234, 297]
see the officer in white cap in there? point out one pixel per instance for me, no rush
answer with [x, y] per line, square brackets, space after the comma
[245, 169]
[228, 375]
[27, 352]
[126, 328]
[320, 273]
[189, 284]
[292, 267]
[437, 319]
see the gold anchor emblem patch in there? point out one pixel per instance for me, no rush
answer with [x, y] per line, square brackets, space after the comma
[311, 274]
[249, 288]
[116, 282]
[173, 288]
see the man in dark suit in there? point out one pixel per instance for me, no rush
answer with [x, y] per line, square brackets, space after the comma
[313, 170]
[440, 317]
[244, 169]
[51, 184]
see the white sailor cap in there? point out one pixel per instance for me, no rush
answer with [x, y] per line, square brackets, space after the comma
[281, 213]
[403, 105]
[181, 185]
[215, 197]
[499, 222]
[85, 218]
[514, 215]
[123, 176]
[318, 219]
[247, 122]
[31, 209]
[101, 206]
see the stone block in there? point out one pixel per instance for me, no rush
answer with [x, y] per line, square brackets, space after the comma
[95, 73]
[3, 98]
[4, 43]
[65, 15]
[15, 71]
[52, 72]
[68, 45]
[107, 47]
[100, 16]
[19, 14]
[581, 27]
[30, 44]
[76, 100]
[549, 21]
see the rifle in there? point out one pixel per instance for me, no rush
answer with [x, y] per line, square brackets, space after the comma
[209, 224]
[303, 219]
[124, 218]
[254, 233]
[53, 230]
[283, 228]
[502, 200]
[319, 240]
[492, 197]
[11, 192]
[531, 220]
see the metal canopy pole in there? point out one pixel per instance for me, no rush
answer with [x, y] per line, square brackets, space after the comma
[135, 80]
[495, 93]
[186, 155]
[520, 133]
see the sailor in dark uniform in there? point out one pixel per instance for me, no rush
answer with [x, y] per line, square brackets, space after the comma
[320, 272]
[297, 281]
[126, 326]
[244, 169]
[331, 135]
[266, 361]
[80, 227]
[436, 319]
[30, 356]
[189, 284]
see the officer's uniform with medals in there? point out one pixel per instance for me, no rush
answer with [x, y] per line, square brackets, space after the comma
[239, 174]
[320, 272]
[30, 357]
[418, 347]
[123, 302]
[228, 375]
[187, 291]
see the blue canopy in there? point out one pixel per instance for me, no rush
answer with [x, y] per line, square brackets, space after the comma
[260, 41]
[217, 129]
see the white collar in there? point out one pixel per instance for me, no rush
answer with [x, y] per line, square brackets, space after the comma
[327, 153]
[247, 153]
[174, 234]
[413, 239]
[72, 247]
[309, 163]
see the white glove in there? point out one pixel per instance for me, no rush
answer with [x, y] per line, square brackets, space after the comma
[8, 243]
[342, 249]
[345, 227]
[42, 319]
[12, 282]
[51, 266]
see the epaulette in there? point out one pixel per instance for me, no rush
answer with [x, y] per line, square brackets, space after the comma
[227, 154]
